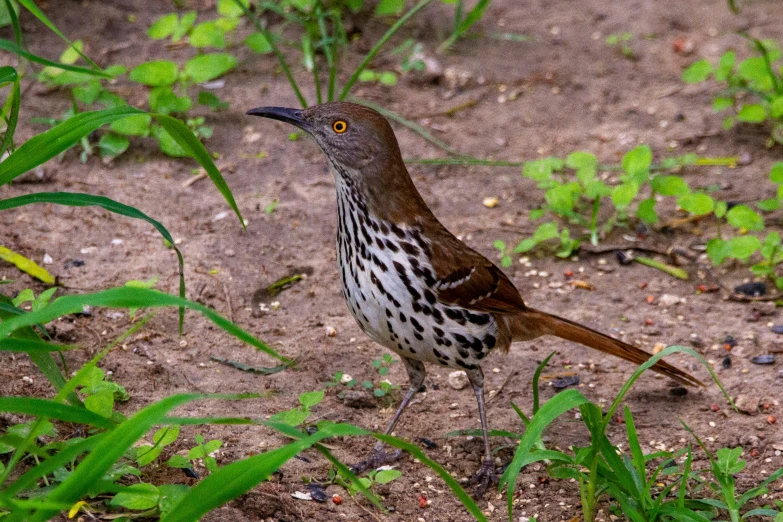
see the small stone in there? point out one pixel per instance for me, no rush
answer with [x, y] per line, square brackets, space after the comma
[751, 289]
[300, 495]
[229, 252]
[778, 329]
[337, 499]
[764, 359]
[458, 380]
[747, 404]
[667, 300]
[565, 382]
[331, 331]
[678, 391]
[358, 399]
[317, 492]
[47, 259]
[490, 202]
[345, 379]
[659, 347]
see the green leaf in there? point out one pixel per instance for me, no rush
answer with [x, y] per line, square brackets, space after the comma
[753, 113]
[310, 399]
[498, 244]
[768, 205]
[210, 100]
[545, 232]
[293, 417]
[596, 188]
[725, 66]
[754, 71]
[367, 76]
[525, 246]
[137, 125]
[258, 43]
[204, 449]
[163, 27]
[646, 211]
[26, 265]
[742, 216]
[112, 145]
[696, 203]
[231, 8]
[636, 162]
[388, 78]
[164, 101]
[184, 25]
[776, 107]
[697, 72]
[207, 34]
[721, 104]
[541, 170]
[670, 185]
[387, 475]
[137, 497]
[624, 194]
[776, 174]
[101, 403]
[389, 7]
[562, 198]
[742, 247]
[53, 410]
[585, 165]
[178, 461]
[158, 73]
[721, 207]
[729, 461]
[206, 67]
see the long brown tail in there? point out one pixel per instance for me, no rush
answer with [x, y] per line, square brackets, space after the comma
[531, 323]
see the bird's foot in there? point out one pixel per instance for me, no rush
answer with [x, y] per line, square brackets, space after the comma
[378, 458]
[485, 478]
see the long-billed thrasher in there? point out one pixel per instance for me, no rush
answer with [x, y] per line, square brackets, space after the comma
[410, 284]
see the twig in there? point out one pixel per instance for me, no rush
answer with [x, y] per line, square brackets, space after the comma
[673, 271]
[373, 515]
[500, 390]
[194, 179]
[228, 302]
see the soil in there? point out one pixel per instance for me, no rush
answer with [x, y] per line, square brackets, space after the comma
[564, 90]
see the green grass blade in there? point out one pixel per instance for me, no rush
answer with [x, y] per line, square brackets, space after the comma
[43, 147]
[127, 297]
[450, 481]
[30, 6]
[536, 377]
[32, 345]
[14, 22]
[239, 477]
[473, 16]
[42, 360]
[415, 127]
[195, 149]
[8, 74]
[276, 50]
[639, 462]
[108, 450]
[11, 47]
[50, 465]
[552, 409]
[294, 433]
[54, 410]
[88, 200]
[380, 43]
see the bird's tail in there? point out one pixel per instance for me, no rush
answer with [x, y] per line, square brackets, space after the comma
[532, 323]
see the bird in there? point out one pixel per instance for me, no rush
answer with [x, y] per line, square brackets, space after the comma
[412, 286]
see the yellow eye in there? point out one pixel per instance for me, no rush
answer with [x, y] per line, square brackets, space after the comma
[339, 126]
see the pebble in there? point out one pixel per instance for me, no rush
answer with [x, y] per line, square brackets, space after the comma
[751, 289]
[747, 404]
[331, 331]
[659, 347]
[778, 329]
[667, 300]
[358, 399]
[490, 202]
[458, 380]
[345, 379]
[763, 359]
[47, 259]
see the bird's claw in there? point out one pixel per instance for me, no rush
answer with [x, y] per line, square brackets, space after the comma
[483, 479]
[378, 458]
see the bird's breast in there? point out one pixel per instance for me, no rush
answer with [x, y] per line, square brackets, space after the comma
[390, 288]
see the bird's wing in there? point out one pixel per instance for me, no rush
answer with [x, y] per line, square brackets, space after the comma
[466, 278]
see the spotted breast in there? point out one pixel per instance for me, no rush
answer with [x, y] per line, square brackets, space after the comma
[391, 290]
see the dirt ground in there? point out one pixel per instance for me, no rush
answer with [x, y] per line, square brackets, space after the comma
[574, 93]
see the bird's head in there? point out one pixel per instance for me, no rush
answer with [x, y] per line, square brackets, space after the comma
[352, 136]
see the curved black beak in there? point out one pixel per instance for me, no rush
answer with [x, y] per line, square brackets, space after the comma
[292, 116]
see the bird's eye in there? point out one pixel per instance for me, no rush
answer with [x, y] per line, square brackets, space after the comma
[339, 126]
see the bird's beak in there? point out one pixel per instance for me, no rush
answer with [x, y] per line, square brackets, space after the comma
[292, 116]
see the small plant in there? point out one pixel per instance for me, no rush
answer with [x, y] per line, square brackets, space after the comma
[753, 87]
[297, 416]
[621, 41]
[202, 450]
[380, 476]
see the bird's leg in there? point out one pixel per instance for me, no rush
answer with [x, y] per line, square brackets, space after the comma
[379, 456]
[486, 475]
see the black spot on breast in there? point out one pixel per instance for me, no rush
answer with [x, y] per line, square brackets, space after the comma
[477, 345]
[402, 317]
[437, 316]
[409, 248]
[412, 350]
[489, 341]
[384, 229]
[461, 339]
[417, 325]
[478, 319]
[379, 242]
[388, 313]
[465, 365]
[429, 296]
[455, 315]
[437, 353]
[438, 331]
[391, 246]
[426, 310]
[416, 307]
[400, 233]
[462, 352]
[418, 336]
[414, 293]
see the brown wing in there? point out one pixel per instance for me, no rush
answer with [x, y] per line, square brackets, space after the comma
[468, 279]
